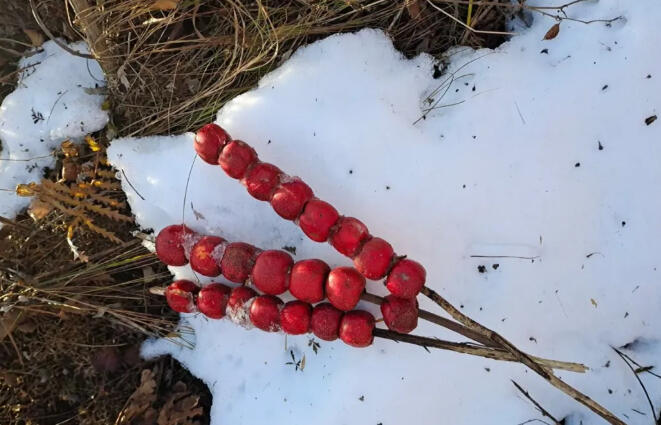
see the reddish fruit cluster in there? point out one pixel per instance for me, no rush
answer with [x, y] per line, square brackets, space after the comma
[292, 199]
[268, 313]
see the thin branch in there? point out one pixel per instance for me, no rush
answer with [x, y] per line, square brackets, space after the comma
[522, 357]
[50, 35]
[649, 400]
[537, 405]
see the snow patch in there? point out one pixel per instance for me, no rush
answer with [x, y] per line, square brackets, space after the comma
[57, 98]
[467, 191]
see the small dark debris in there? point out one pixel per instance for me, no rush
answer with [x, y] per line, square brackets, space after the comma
[456, 90]
[604, 87]
[480, 308]
[649, 76]
[461, 306]
[487, 369]
[648, 120]
[533, 339]
[269, 142]
[36, 116]
[610, 391]
[626, 314]
[463, 186]
[624, 223]
[544, 51]
[600, 146]
[437, 72]
[578, 164]
[466, 84]
[474, 137]
[495, 266]
[608, 364]
[361, 398]
[290, 249]
[481, 268]
[350, 171]
[473, 89]
[387, 187]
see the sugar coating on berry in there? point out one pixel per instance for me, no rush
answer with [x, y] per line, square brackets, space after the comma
[212, 300]
[209, 141]
[344, 286]
[356, 328]
[400, 314]
[265, 313]
[307, 280]
[290, 197]
[237, 261]
[202, 258]
[374, 258]
[180, 296]
[270, 274]
[172, 242]
[236, 157]
[325, 321]
[348, 236]
[406, 279]
[295, 317]
[261, 180]
[317, 219]
[238, 305]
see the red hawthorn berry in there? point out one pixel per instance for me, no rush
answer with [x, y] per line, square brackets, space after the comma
[317, 219]
[237, 261]
[237, 307]
[270, 274]
[261, 180]
[170, 244]
[344, 287]
[356, 328]
[307, 280]
[212, 300]
[325, 321]
[265, 313]
[400, 314]
[374, 258]
[206, 254]
[406, 279]
[236, 158]
[348, 236]
[180, 296]
[209, 141]
[290, 197]
[295, 317]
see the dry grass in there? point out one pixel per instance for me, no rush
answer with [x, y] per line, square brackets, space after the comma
[171, 70]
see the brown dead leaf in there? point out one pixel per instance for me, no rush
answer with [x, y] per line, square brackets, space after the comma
[594, 303]
[36, 37]
[39, 209]
[139, 405]
[181, 407]
[164, 4]
[552, 32]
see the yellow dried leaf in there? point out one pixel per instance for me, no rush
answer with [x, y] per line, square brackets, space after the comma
[164, 4]
[552, 32]
[93, 144]
[594, 303]
[105, 106]
[26, 189]
[36, 38]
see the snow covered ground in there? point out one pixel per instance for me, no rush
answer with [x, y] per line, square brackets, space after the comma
[547, 156]
[57, 98]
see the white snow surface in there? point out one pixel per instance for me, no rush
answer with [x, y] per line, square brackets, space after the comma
[56, 99]
[514, 170]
